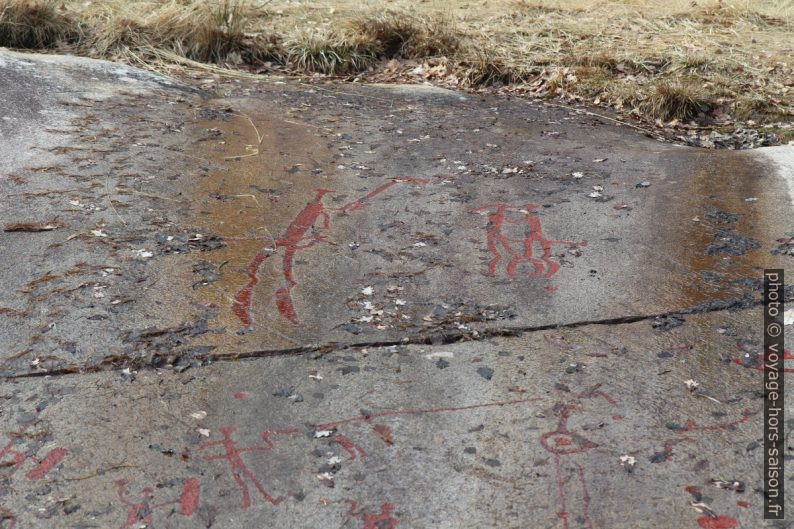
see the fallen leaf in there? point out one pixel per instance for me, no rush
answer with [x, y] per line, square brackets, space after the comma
[384, 432]
[32, 227]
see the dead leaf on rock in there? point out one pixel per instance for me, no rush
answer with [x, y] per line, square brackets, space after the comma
[33, 227]
[384, 432]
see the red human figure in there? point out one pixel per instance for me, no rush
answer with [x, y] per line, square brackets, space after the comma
[564, 443]
[142, 511]
[295, 238]
[240, 470]
[496, 220]
[290, 241]
[496, 240]
[535, 235]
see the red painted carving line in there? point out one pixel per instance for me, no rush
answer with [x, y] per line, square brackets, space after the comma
[189, 500]
[497, 218]
[762, 358]
[46, 464]
[359, 203]
[350, 447]
[692, 426]
[239, 469]
[296, 237]
[43, 466]
[668, 447]
[710, 520]
[18, 457]
[563, 512]
[720, 522]
[392, 413]
[141, 513]
[563, 442]
[241, 472]
[383, 520]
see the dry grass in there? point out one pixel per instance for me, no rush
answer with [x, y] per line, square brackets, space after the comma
[328, 53]
[201, 31]
[36, 24]
[682, 100]
[402, 34]
[660, 59]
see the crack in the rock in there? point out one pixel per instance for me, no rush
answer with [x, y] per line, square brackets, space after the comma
[444, 337]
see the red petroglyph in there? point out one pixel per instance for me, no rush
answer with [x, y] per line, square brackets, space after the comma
[17, 457]
[43, 466]
[46, 464]
[358, 204]
[240, 395]
[382, 520]
[233, 456]
[189, 500]
[761, 362]
[742, 503]
[283, 431]
[564, 443]
[692, 426]
[520, 250]
[141, 512]
[720, 522]
[298, 237]
[14, 459]
[350, 447]
[668, 448]
[709, 520]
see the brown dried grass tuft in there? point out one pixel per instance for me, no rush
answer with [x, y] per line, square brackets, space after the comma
[35, 24]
